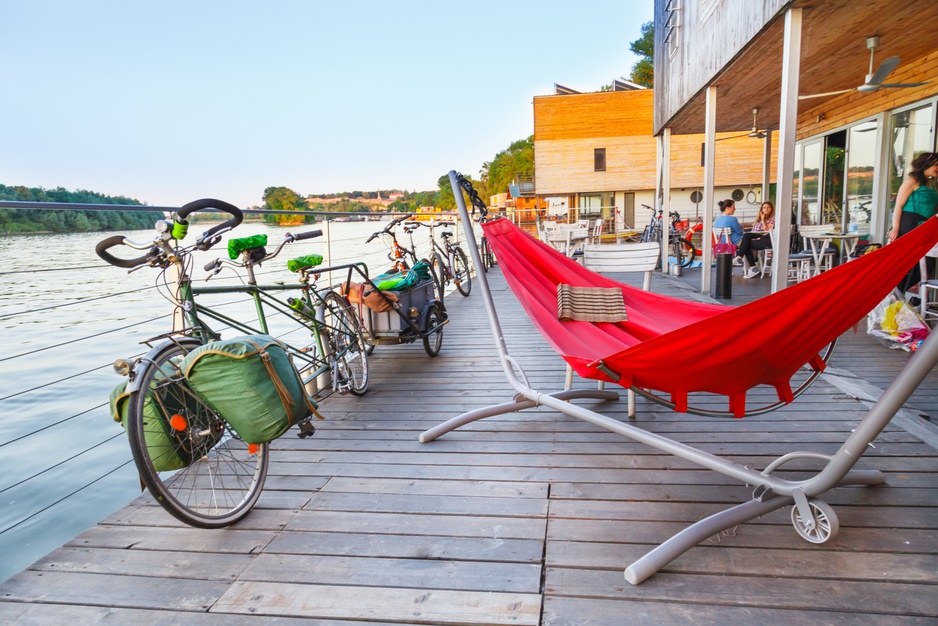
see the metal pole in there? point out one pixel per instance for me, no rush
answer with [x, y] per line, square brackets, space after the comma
[709, 156]
[327, 249]
[481, 276]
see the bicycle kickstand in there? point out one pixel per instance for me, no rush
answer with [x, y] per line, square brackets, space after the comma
[306, 428]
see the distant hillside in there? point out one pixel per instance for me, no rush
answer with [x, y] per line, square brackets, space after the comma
[15, 221]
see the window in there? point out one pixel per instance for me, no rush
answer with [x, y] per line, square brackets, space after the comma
[672, 26]
[599, 159]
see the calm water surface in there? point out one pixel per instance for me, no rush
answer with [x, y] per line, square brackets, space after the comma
[64, 463]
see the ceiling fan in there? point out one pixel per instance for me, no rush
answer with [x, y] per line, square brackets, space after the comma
[755, 133]
[874, 80]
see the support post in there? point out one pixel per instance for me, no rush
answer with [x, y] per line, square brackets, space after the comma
[664, 164]
[788, 121]
[708, 199]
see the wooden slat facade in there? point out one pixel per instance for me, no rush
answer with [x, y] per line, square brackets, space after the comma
[568, 128]
[850, 107]
[519, 519]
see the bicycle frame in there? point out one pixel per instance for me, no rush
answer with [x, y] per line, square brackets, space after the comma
[447, 251]
[189, 318]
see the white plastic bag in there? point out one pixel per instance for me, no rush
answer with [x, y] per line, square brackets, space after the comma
[895, 324]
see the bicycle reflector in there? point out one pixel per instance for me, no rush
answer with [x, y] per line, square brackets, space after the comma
[178, 422]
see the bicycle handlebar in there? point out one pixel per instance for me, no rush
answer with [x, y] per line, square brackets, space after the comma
[307, 235]
[208, 238]
[101, 249]
[389, 227]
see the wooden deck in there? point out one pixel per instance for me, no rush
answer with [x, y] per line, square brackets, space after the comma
[520, 519]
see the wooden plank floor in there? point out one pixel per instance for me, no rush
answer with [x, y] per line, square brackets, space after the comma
[519, 519]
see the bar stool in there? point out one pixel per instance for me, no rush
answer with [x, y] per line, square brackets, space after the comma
[799, 266]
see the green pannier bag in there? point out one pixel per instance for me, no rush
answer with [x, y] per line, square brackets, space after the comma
[252, 383]
[165, 447]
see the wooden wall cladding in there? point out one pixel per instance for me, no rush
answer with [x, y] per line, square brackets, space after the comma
[602, 114]
[856, 105]
[566, 165]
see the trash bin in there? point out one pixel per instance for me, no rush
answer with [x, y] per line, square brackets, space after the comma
[723, 285]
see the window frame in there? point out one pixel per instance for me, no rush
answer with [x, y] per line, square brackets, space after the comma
[599, 159]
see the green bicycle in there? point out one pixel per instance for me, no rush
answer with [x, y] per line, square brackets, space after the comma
[202, 472]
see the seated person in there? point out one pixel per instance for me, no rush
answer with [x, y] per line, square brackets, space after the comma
[728, 220]
[759, 239]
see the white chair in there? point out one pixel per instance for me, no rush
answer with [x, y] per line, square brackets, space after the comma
[928, 290]
[597, 233]
[620, 257]
[623, 257]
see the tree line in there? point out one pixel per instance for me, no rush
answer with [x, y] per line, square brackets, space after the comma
[24, 221]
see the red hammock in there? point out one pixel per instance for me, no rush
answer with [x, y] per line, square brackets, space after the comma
[679, 347]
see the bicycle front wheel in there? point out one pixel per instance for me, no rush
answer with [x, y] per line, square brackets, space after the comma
[348, 344]
[190, 460]
[461, 275]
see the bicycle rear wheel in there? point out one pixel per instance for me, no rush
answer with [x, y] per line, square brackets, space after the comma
[439, 274]
[684, 251]
[190, 460]
[461, 275]
[488, 257]
[348, 344]
[689, 252]
[433, 341]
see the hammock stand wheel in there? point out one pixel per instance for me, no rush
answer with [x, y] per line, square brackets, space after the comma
[815, 374]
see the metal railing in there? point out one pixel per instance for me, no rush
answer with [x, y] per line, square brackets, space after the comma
[60, 473]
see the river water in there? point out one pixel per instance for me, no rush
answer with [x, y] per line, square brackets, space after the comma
[66, 316]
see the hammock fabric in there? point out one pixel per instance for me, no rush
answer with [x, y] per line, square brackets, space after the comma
[680, 347]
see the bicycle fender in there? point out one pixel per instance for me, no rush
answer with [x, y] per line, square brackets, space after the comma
[134, 383]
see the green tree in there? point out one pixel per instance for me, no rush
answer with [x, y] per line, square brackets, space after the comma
[284, 199]
[445, 199]
[506, 166]
[643, 72]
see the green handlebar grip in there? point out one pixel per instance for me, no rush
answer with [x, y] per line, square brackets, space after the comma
[180, 229]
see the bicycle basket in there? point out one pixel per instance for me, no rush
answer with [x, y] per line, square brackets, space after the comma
[252, 383]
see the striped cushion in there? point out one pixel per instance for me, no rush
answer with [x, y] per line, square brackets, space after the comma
[590, 304]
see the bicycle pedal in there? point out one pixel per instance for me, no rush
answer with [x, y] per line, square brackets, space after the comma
[306, 429]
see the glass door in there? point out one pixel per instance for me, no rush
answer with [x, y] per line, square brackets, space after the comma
[912, 133]
[858, 191]
[811, 182]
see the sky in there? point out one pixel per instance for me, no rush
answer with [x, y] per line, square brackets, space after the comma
[170, 101]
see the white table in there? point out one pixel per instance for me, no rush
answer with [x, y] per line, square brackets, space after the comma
[819, 243]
